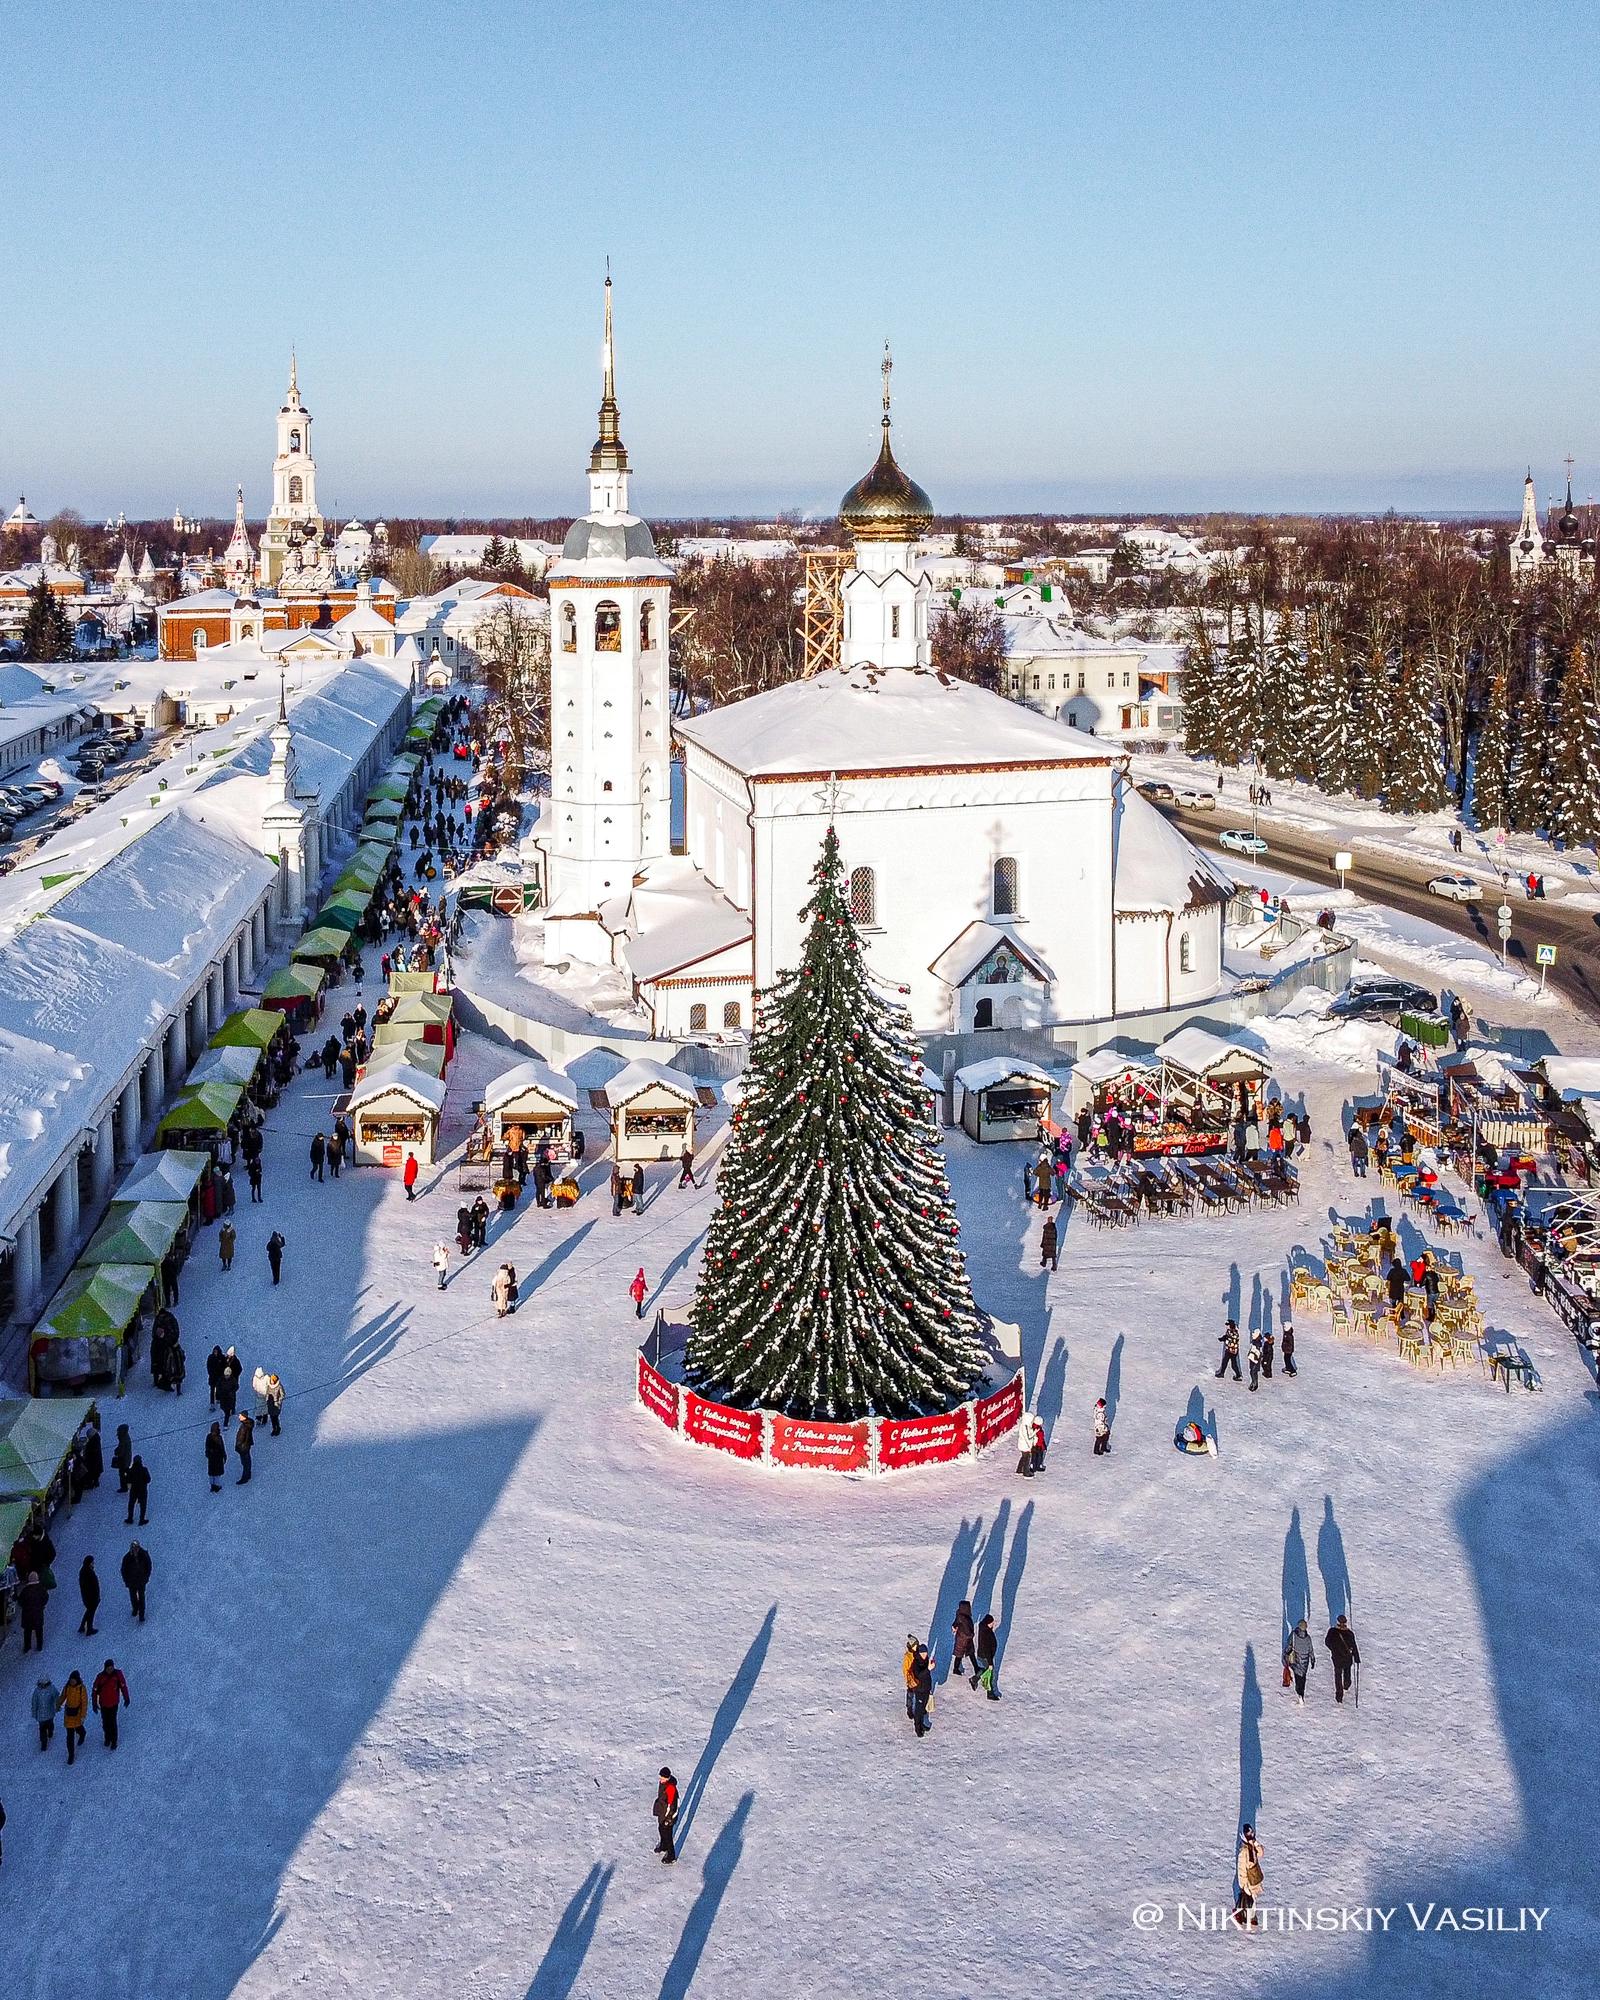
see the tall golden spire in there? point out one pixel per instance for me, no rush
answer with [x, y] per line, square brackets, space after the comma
[609, 454]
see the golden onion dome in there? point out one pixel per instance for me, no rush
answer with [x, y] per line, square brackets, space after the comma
[886, 506]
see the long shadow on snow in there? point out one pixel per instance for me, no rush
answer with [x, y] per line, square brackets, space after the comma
[563, 1960]
[714, 1879]
[1016, 1562]
[1296, 1581]
[1331, 1562]
[678, 1263]
[1525, 1526]
[1052, 1386]
[994, 1254]
[723, 1724]
[953, 1586]
[341, 1581]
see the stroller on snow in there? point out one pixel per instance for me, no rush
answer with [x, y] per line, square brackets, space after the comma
[1191, 1438]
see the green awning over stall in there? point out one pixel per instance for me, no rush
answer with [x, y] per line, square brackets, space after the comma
[136, 1232]
[324, 942]
[96, 1300]
[206, 1107]
[295, 982]
[34, 1438]
[253, 1029]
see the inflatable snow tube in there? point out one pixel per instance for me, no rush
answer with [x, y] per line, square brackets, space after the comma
[1190, 1437]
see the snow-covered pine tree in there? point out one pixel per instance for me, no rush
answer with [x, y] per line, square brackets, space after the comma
[1283, 698]
[1414, 778]
[1528, 788]
[1575, 758]
[1199, 684]
[833, 1285]
[1324, 753]
[1242, 696]
[1491, 763]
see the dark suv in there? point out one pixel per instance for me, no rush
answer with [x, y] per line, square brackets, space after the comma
[1383, 999]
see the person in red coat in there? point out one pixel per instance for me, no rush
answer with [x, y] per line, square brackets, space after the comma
[636, 1292]
[410, 1176]
[109, 1688]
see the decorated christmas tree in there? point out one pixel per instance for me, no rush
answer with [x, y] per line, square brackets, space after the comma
[833, 1285]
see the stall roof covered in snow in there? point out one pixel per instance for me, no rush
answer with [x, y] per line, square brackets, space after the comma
[404, 1079]
[995, 1070]
[641, 1075]
[1571, 1077]
[1156, 868]
[1101, 1065]
[534, 1075]
[868, 719]
[1200, 1053]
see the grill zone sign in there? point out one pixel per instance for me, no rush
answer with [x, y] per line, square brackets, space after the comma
[872, 1445]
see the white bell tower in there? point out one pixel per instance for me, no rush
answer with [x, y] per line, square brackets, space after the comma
[610, 808]
[294, 484]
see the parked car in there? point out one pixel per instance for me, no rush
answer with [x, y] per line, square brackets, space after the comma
[1157, 791]
[1457, 888]
[42, 794]
[1241, 841]
[1383, 997]
[1196, 801]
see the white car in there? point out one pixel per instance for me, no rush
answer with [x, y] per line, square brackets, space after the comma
[1195, 801]
[1456, 888]
[1242, 842]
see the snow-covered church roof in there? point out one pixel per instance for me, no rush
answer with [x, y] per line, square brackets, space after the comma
[869, 718]
[1155, 868]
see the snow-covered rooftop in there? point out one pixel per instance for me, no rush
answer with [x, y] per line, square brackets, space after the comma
[882, 719]
[641, 1075]
[681, 919]
[1003, 1069]
[1198, 1052]
[1156, 868]
[534, 1075]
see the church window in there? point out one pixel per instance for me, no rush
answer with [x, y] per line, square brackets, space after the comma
[647, 627]
[569, 631]
[1185, 953]
[296, 489]
[607, 628]
[730, 1014]
[1005, 886]
[697, 1018]
[894, 621]
[983, 1014]
[864, 896]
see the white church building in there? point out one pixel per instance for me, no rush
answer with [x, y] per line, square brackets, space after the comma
[1003, 870]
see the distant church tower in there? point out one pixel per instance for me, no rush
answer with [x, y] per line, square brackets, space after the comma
[294, 485]
[1527, 546]
[610, 810]
[885, 597]
[238, 564]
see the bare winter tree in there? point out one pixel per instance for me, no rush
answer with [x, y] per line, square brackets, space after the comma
[970, 643]
[744, 635]
[512, 643]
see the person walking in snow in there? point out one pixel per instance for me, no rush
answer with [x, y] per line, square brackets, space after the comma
[500, 1291]
[1300, 1657]
[618, 1190]
[260, 1382]
[252, 1168]
[244, 1439]
[1396, 1282]
[89, 1591]
[136, 1575]
[274, 1395]
[1230, 1352]
[139, 1491]
[665, 1810]
[1025, 1443]
[409, 1176]
[46, 1700]
[122, 1457]
[1027, 1182]
[988, 1654]
[638, 1187]
[276, 1245]
[480, 1223]
[1288, 1349]
[686, 1168]
[1250, 1878]
[1102, 1429]
[441, 1263]
[1267, 1346]
[464, 1229]
[216, 1457]
[319, 1151]
[1254, 1358]
[226, 1239]
[109, 1689]
[228, 1385]
[636, 1292]
[1344, 1653]
[966, 1634]
[336, 1143]
[75, 1713]
[921, 1690]
[1050, 1245]
[908, 1670]
[31, 1601]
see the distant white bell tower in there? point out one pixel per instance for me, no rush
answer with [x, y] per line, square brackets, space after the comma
[294, 484]
[610, 806]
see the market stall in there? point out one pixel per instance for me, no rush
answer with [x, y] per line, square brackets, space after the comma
[418, 1017]
[1112, 1078]
[91, 1331]
[537, 1100]
[35, 1446]
[166, 1177]
[325, 946]
[294, 988]
[228, 1065]
[652, 1110]
[200, 1116]
[395, 1115]
[1004, 1098]
[253, 1028]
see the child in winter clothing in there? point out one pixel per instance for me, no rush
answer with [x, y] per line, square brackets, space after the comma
[636, 1292]
[1102, 1429]
[441, 1263]
[1299, 1657]
[46, 1700]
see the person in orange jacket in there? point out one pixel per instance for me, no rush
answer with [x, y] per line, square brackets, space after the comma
[74, 1707]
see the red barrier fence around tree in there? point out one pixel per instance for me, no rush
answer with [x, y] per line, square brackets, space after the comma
[873, 1445]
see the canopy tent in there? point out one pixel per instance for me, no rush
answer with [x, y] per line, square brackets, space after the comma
[203, 1107]
[364, 870]
[324, 942]
[395, 789]
[231, 1065]
[420, 1017]
[164, 1177]
[15, 1515]
[353, 896]
[253, 1029]
[384, 809]
[137, 1232]
[339, 916]
[35, 1438]
[425, 1056]
[1097, 1077]
[1199, 1054]
[286, 989]
[1004, 1098]
[381, 833]
[84, 1333]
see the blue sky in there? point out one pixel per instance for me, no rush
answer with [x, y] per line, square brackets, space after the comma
[1129, 256]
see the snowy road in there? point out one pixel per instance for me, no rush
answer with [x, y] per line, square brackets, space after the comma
[399, 1705]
